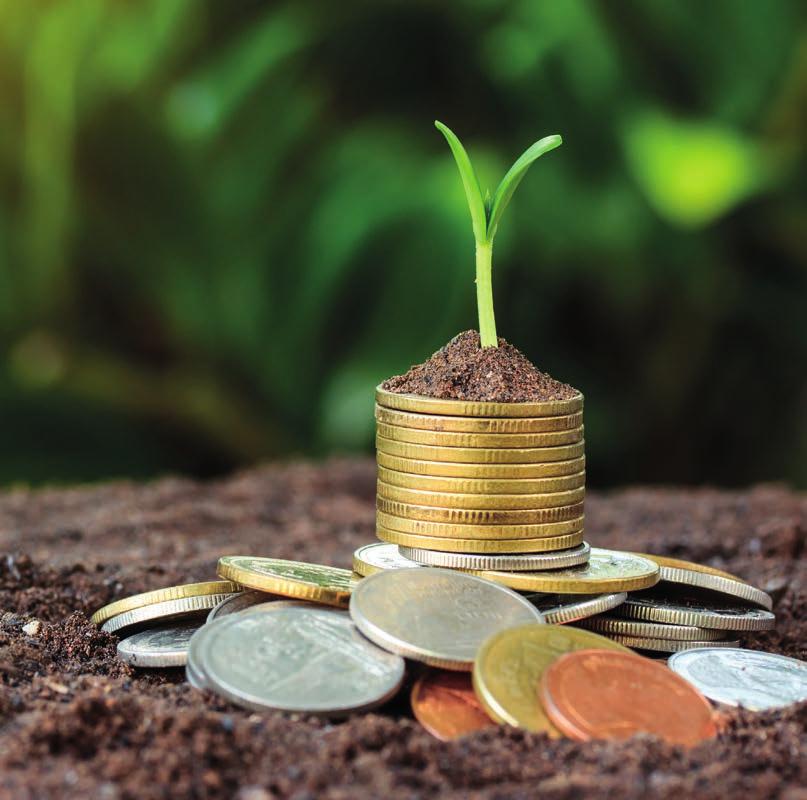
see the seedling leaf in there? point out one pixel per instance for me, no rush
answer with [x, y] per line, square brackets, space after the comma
[471, 185]
[513, 177]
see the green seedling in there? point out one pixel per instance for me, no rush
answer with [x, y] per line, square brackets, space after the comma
[485, 217]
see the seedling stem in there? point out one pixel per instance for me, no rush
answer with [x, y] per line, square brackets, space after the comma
[485, 217]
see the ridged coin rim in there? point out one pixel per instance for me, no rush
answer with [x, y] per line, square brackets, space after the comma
[651, 630]
[398, 433]
[487, 502]
[487, 531]
[161, 595]
[668, 645]
[558, 559]
[481, 455]
[544, 544]
[296, 589]
[420, 404]
[681, 615]
[480, 516]
[365, 568]
[449, 469]
[573, 612]
[481, 486]
[165, 610]
[455, 424]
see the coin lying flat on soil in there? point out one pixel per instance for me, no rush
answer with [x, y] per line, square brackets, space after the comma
[329, 585]
[170, 610]
[436, 422]
[686, 573]
[653, 630]
[459, 545]
[606, 571]
[747, 678]
[446, 469]
[297, 658]
[481, 486]
[681, 610]
[558, 559]
[509, 666]
[436, 616]
[445, 704]
[378, 556]
[160, 596]
[165, 646]
[559, 609]
[420, 404]
[492, 502]
[596, 694]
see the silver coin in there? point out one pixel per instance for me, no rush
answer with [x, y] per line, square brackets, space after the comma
[169, 610]
[558, 609]
[748, 678]
[436, 616]
[651, 630]
[695, 611]
[716, 583]
[527, 562]
[166, 646]
[297, 658]
[666, 645]
[238, 602]
[194, 668]
[371, 558]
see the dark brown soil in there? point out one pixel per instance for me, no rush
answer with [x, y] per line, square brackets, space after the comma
[462, 370]
[76, 723]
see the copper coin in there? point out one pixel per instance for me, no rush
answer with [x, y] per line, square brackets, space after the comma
[444, 703]
[605, 694]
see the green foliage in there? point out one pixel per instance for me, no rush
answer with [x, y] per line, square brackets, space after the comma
[486, 215]
[221, 224]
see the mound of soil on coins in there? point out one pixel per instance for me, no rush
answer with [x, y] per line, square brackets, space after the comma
[462, 370]
[75, 722]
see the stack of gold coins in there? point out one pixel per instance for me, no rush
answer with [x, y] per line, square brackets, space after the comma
[479, 477]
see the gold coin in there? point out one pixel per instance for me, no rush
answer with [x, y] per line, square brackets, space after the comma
[162, 596]
[481, 455]
[449, 439]
[434, 422]
[435, 483]
[451, 530]
[679, 563]
[448, 469]
[314, 582]
[420, 404]
[669, 645]
[650, 630]
[509, 665]
[606, 571]
[545, 544]
[480, 516]
[480, 501]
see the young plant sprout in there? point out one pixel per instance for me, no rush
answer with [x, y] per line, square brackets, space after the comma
[485, 217]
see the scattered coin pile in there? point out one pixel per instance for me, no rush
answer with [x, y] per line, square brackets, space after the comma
[480, 570]
[304, 638]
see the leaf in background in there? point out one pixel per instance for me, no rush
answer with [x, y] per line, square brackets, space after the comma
[513, 177]
[469, 182]
[692, 172]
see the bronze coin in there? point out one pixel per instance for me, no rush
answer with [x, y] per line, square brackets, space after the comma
[604, 694]
[445, 704]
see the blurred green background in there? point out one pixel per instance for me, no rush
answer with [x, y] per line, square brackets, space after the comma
[222, 223]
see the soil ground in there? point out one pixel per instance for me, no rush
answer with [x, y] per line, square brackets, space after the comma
[77, 723]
